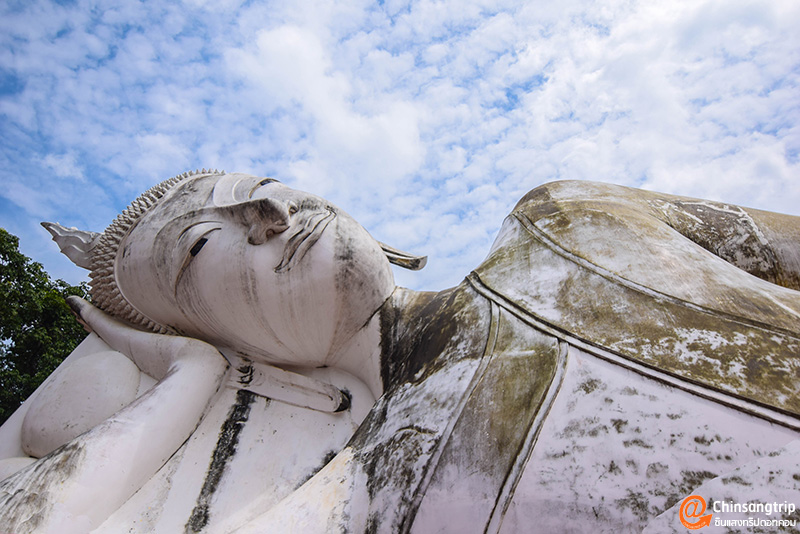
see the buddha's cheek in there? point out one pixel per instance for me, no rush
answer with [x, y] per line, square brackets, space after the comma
[301, 307]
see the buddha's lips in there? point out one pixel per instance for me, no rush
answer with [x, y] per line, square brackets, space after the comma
[304, 238]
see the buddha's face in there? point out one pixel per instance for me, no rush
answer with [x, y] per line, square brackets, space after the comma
[254, 266]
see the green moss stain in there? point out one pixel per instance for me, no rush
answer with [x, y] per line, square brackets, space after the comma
[25, 497]
[589, 385]
[619, 425]
[635, 502]
[749, 349]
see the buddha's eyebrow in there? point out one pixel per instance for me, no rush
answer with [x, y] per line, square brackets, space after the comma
[182, 236]
[192, 226]
[265, 181]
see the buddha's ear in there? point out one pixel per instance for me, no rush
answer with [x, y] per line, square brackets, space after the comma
[75, 244]
[403, 259]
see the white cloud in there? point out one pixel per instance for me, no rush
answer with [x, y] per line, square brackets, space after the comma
[64, 166]
[426, 120]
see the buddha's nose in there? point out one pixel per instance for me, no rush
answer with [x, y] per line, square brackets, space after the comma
[267, 217]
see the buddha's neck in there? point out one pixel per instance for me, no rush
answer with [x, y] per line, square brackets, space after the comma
[362, 356]
[354, 366]
[364, 353]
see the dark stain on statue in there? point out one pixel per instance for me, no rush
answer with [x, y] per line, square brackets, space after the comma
[736, 480]
[25, 499]
[426, 326]
[693, 479]
[330, 455]
[589, 385]
[420, 335]
[637, 503]
[347, 274]
[392, 465]
[223, 452]
[383, 464]
[246, 371]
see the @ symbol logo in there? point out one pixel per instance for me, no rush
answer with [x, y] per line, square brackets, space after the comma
[691, 512]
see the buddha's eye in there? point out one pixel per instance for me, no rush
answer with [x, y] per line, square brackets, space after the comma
[189, 244]
[193, 239]
[197, 246]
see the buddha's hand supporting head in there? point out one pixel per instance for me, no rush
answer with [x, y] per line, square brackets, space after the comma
[240, 261]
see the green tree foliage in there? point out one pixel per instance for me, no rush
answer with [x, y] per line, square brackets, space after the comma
[37, 328]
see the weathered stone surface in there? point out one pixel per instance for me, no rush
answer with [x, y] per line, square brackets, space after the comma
[617, 351]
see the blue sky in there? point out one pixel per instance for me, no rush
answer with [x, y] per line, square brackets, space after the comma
[425, 120]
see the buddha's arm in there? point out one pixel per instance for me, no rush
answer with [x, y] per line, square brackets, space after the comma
[154, 354]
[765, 244]
[113, 460]
[13, 453]
[782, 233]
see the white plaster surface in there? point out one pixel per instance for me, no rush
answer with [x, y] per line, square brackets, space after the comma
[68, 406]
[280, 446]
[618, 449]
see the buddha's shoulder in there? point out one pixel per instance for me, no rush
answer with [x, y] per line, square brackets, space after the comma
[575, 196]
[570, 190]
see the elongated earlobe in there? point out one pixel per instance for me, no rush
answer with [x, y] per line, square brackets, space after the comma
[75, 244]
[403, 259]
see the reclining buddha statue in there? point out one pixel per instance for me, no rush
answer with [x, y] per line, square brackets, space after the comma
[252, 367]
